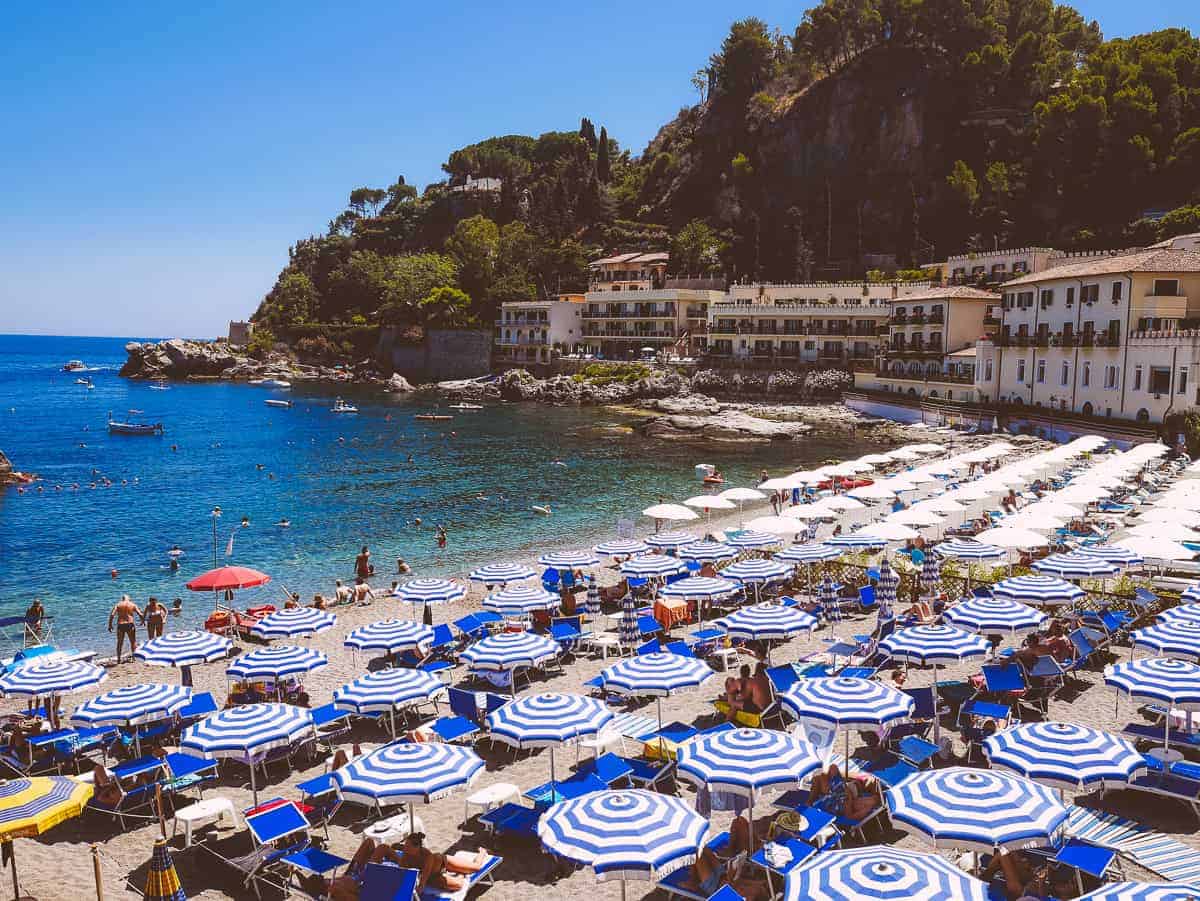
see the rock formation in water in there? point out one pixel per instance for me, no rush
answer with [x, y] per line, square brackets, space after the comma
[179, 358]
[10, 476]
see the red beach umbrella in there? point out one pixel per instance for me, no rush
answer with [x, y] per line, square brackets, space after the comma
[227, 577]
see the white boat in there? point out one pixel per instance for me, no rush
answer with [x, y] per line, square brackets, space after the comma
[275, 383]
[340, 406]
[277, 403]
[466, 406]
[161, 385]
[74, 366]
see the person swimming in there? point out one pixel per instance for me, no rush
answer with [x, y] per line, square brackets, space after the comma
[284, 523]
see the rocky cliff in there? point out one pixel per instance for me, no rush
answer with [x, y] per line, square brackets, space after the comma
[179, 358]
[10, 476]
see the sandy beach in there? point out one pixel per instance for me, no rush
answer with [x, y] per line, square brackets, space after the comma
[59, 864]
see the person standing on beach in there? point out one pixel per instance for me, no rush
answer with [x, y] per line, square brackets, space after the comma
[123, 612]
[362, 564]
[156, 618]
[33, 618]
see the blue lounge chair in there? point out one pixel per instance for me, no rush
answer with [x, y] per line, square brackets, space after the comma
[278, 831]
[648, 626]
[650, 647]
[463, 723]
[568, 633]
[381, 882]
[608, 768]
[200, 706]
[679, 647]
[185, 771]
[311, 860]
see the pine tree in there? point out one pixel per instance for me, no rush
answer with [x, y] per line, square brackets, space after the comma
[587, 131]
[603, 163]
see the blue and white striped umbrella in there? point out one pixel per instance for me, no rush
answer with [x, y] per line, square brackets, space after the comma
[1187, 613]
[1165, 679]
[184, 648]
[856, 540]
[935, 644]
[621, 547]
[766, 622]
[294, 622]
[548, 719]
[391, 636]
[1065, 755]
[627, 629]
[1076, 565]
[1144, 891]
[994, 615]
[386, 690]
[1191, 593]
[591, 602]
[650, 565]
[1113, 554]
[880, 873]
[707, 552]
[429, 591]
[699, 588]
[407, 772]
[980, 810]
[509, 650]
[748, 538]
[55, 678]
[756, 572]
[518, 600]
[931, 572]
[276, 663]
[847, 702]
[626, 834]
[809, 553]
[132, 705]
[1178, 638]
[655, 675]
[668, 540]
[1042, 591]
[887, 584]
[568, 559]
[502, 573]
[746, 761]
[969, 549]
[248, 730]
[828, 596]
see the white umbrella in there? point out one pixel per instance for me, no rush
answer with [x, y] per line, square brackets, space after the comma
[841, 503]
[670, 511]
[920, 477]
[904, 454]
[1034, 520]
[1081, 494]
[915, 516]
[875, 491]
[876, 458]
[890, 531]
[742, 494]
[1166, 530]
[1022, 539]
[940, 505]
[1155, 548]
[710, 502]
[1188, 518]
[777, 525]
[785, 483]
[1051, 507]
[809, 511]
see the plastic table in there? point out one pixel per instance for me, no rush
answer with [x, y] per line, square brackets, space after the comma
[208, 810]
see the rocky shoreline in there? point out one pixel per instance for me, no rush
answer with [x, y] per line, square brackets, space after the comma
[11, 476]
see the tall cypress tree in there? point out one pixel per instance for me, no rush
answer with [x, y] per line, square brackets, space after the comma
[603, 163]
[587, 131]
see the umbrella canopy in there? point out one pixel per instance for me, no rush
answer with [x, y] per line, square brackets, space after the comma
[162, 882]
[430, 591]
[1173, 682]
[995, 615]
[935, 644]
[1148, 548]
[621, 547]
[1188, 518]
[756, 571]
[670, 511]
[227, 578]
[132, 704]
[387, 690]
[699, 588]
[1175, 638]
[1065, 755]
[1184, 612]
[392, 636]
[248, 730]
[1021, 539]
[1075, 565]
[407, 772]
[746, 761]
[627, 834]
[1144, 891]
[627, 630]
[766, 622]
[568, 559]
[652, 565]
[1040, 590]
[710, 502]
[847, 702]
[518, 600]
[548, 719]
[886, 584]
[742, 494]
[749, 538]
[969, 549]
[1168, 530]
[293, 622]
[276, 663]
[975, 809]
[777, 525]
[874, 491]
[880, 873]
[931, 572]
[889, 531]
[1118, 555]
[922, 517]
[859, 539]
[184, 648]
[56, 678]
[809, 553]
[29, 807]
[707, 551]
[655, 675]
[668, 540]
[509, 650]
[501, 573]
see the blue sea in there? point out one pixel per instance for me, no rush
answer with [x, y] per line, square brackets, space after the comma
[342, 481]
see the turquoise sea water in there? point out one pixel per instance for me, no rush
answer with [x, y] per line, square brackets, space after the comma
[341, 480]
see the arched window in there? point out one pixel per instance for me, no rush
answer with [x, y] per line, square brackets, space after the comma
[1087, 409]
[912, 392]
[933, 393]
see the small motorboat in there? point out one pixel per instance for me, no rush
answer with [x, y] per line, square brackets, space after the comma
[83, 381]
[161, 385]
[133, 412]
[340, 406]
[275, 383]
[433, 417]
[133, 428]
[537, 508]
[466, 406]
[74, 366]
[277, 403]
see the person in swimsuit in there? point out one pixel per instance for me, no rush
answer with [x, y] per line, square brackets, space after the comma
[123, 612]
[362, 564]
[156, 618]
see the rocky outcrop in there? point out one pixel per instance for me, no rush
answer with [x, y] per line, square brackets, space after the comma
[10, 476]
[179, 358]
[728, 425]
[398, 384]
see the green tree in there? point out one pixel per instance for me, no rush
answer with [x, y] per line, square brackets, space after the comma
[446, 307]
[293, 301]
[696, 248]
[409, 280]
[475, 245]
[603, 163]
[746, 60]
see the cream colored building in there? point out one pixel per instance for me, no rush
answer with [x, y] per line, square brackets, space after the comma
[781, 325]
[996, 266]
[1101, 335]
[930, 347]
[534, 332]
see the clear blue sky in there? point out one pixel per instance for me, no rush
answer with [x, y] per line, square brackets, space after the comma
[158, 159]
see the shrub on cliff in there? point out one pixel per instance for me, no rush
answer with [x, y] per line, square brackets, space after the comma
[262, 342]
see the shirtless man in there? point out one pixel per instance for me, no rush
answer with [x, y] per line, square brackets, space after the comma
[343, 593]
[123, 612]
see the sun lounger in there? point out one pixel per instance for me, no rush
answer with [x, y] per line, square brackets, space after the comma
[1176, 738]
[310, 860]
[512, 819]
[463, 723]
[1168, 785]
[277, 830]
[382, 882]
[485, 875]
[678, 883]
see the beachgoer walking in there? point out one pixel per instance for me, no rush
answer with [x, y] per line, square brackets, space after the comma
[123, 612]
[155, 619]
[33, 619]
[362, 564]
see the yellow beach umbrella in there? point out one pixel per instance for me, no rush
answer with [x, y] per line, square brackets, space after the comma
[29, 807]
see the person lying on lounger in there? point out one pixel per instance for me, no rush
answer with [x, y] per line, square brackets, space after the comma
[852, 798]
[709, 873]
[444, 872]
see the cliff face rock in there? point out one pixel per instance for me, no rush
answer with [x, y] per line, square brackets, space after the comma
[182, 359]
[8, 475]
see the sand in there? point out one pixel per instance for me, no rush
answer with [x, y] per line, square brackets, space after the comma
[59, 865]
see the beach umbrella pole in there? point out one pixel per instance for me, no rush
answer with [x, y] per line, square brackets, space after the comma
[412, 818]
[12, 859]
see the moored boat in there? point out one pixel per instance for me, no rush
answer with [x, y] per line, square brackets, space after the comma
[133, 428]
[466, 406]
[432, 417]
[340, 406]
[74, 366]
[275, 383]
[270, 402]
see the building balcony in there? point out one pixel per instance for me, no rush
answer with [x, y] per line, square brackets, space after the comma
[522, 342]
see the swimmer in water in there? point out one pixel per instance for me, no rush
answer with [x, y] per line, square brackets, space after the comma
[557, 463]
[410, 459]
[245, 522]
[260, 467]
[174, 448]
[284, 523]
